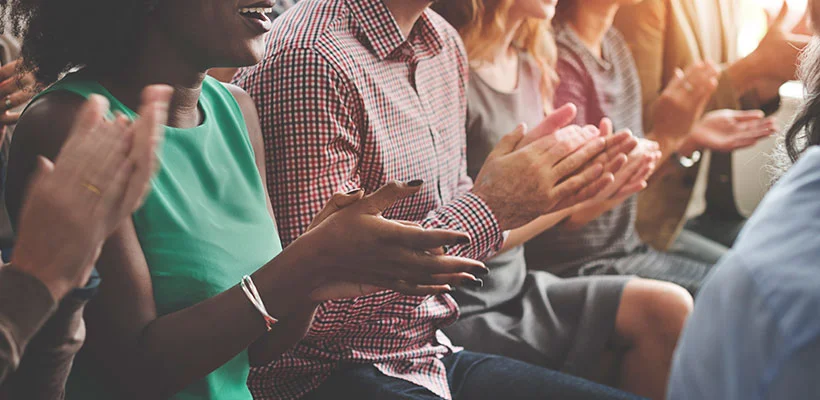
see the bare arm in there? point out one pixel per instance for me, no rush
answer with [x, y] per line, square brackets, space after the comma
[171, 351]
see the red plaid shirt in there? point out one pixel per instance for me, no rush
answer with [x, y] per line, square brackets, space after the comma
[346, 102]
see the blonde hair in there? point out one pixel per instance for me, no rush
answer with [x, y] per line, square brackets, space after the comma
[481, 24]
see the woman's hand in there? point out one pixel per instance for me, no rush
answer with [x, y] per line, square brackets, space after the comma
[630, 177]
[359, 252]
[15, 90]
[728, 130]
[99, 178]
[682, 103]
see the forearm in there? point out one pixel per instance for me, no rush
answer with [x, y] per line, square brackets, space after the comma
[468, 213]
[741, 76]
[18, 324]
[522, 235]
[47, 363]
[178, 349]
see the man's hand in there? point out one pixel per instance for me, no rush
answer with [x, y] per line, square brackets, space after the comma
[100, 178]
[527, 176]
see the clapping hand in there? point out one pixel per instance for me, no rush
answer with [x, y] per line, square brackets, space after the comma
[683, 101]
[728, 130]
[361, 252]
[15, 90]
[99, 179]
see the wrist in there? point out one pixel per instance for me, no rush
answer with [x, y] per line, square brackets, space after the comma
[58, 286]
[688, 147]
[286, 282]
[744, 73]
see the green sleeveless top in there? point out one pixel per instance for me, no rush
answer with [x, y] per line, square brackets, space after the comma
[204, 225]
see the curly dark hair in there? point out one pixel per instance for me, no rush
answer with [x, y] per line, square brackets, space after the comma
[59, 35]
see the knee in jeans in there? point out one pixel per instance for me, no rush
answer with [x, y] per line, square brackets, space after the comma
[653, 308]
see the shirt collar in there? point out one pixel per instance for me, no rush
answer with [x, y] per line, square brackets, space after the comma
[381, 31]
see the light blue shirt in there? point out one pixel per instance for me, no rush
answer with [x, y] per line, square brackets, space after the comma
[755, 331]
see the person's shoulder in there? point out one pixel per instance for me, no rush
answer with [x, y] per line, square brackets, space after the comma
[778, 245]
[310, 24]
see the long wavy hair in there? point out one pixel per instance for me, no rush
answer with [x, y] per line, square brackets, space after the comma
[482, 24]
[805, 129]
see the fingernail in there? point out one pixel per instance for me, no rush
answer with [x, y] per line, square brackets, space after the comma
[475, 284]
[415, 183]
[354, 191]
[463, 240]
[482, 272]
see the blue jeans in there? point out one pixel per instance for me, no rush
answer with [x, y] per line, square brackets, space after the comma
[472, 376]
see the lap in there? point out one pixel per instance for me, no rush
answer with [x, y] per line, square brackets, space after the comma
[472, 376]
[561, 324]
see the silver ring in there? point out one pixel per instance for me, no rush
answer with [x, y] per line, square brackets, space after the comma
[9, 106]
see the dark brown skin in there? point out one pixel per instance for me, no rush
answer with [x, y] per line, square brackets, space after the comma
[131, 344]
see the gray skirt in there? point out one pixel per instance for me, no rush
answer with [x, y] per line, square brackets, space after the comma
[561, 324]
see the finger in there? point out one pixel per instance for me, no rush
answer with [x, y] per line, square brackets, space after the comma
[336, 203]
[10, 117]
[622, 142]
[590, 192]
[631, 189]
[387, 195]
[43, 169]
[147, 134]
[778, 21]
[616, 164]
[418, 290]
[747, 115]
[454, 280]
[576, 160]
[575, 184]
[561, 117]
[9, 70]
[555, 148]
[509, 142]
[605, 127]
[89, 117]
[419, 238]
[413, 263]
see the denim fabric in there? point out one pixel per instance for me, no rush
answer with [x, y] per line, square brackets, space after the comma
[472, 376]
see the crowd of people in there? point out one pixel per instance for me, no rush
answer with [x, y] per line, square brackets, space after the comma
[401, 199]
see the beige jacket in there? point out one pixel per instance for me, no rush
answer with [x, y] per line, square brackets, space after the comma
[664, 35]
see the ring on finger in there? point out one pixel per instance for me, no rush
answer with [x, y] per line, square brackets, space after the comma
[8, 103]
[92, 188]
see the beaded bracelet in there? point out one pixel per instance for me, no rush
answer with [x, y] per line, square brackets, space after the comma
[253, 296]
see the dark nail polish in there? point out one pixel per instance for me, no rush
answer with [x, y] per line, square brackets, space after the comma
[354, 191]
[463, 240]
[475, 284]
[415, 183]
[482, 272]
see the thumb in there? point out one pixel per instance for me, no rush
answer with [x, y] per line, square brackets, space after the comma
[338, 202]
[389, 194]
[44, 167]
[556, 120]
[509, 142]
[90, 116]
[777, 22]
[605, 127]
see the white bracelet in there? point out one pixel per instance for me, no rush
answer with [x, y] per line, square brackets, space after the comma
[253, 296]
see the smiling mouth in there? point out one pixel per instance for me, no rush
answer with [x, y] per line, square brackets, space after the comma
[256, 12]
